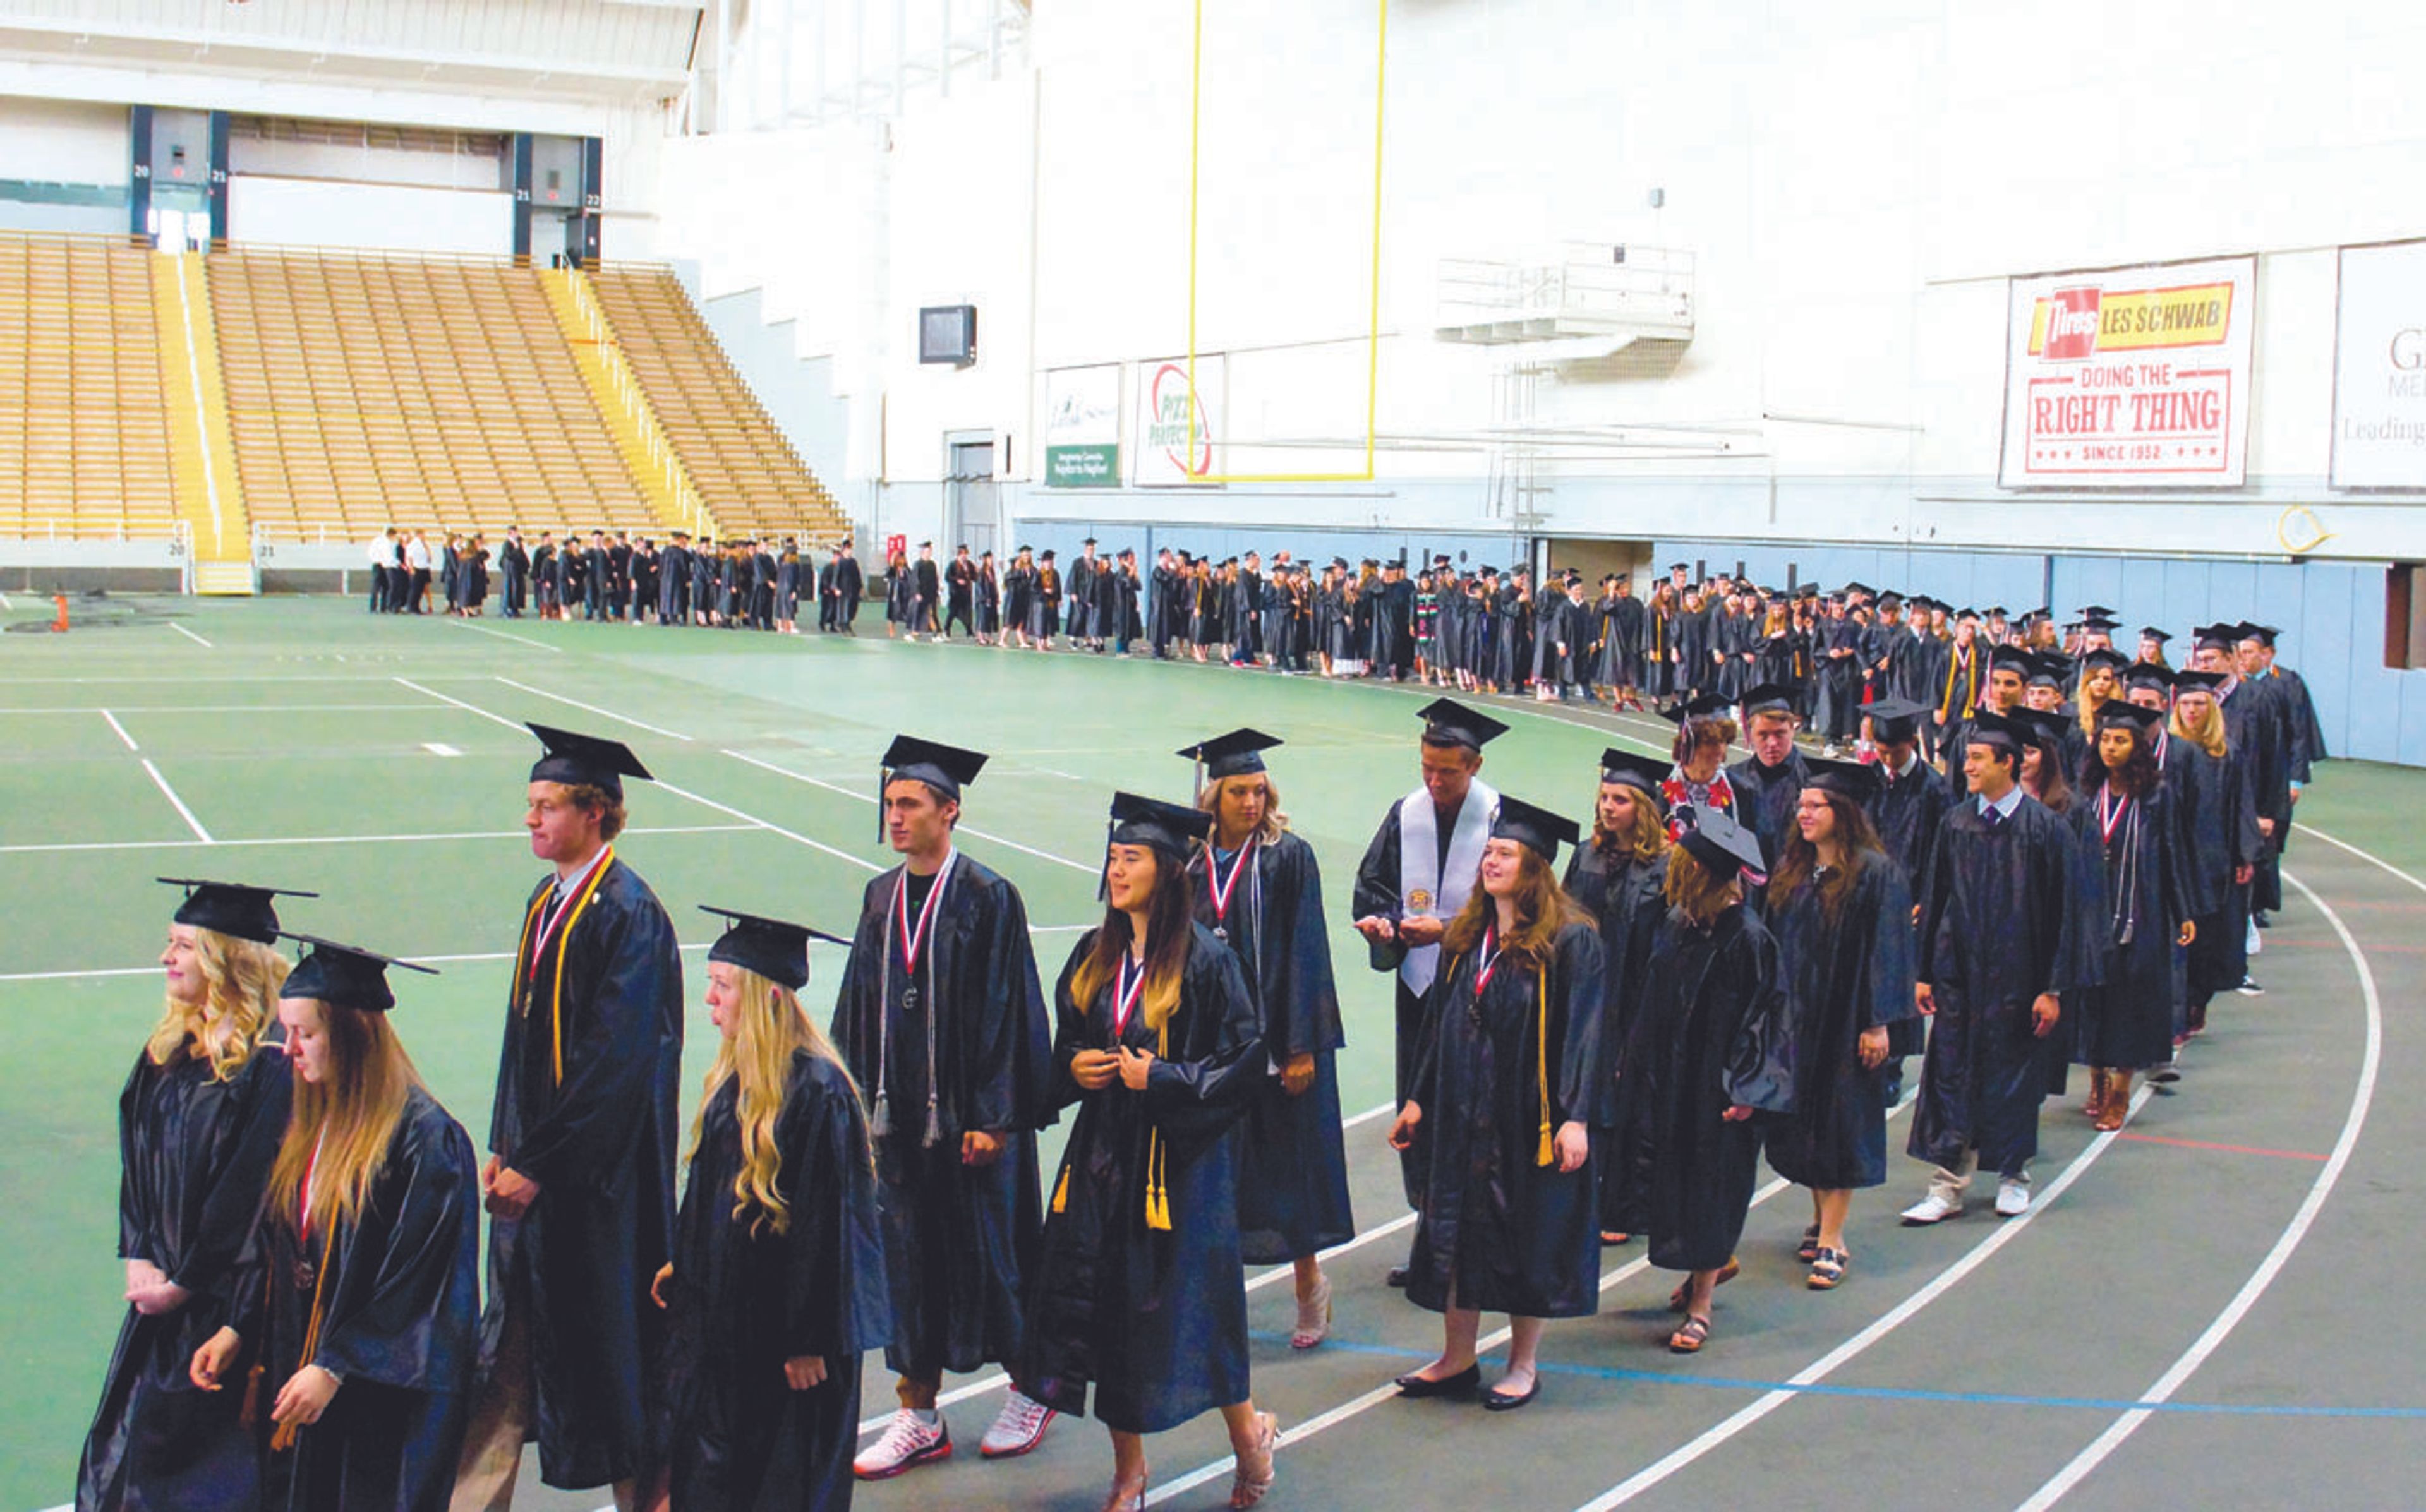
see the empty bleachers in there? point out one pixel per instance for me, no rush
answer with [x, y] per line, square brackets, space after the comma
[365, 391]
[84, 430]
[748, 474]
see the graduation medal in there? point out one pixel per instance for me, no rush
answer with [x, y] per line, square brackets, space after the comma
[1420, 900]
[1219, 889]
[914, 942]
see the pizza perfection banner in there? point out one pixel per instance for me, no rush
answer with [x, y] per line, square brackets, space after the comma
[2129, 378]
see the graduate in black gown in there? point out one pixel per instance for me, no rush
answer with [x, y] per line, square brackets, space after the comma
[941, 1019]
[580, 1177]
[2002, 944]
[198, 1126]
[1709, 1048]
[1513, 1079]
[1138, 1301]
[360, 1316]
[2131, 823]
[1619, 876]
[1407, 893]
[1770, 781]
[1258, 887]
[1842, 912]
[2220, 821]
[776, 1286]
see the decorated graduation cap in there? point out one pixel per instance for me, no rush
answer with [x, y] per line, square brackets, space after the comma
[344, 976]
[577, 760]
[1701, 707]
[1643, 773]
[1239, 754]
[1723, 845]
[1767, 699]
[1856, 781]
[1448, 722]
[2138, 716]
[237, 908]
[773, 948]
[1536, 828]
[1896, 719]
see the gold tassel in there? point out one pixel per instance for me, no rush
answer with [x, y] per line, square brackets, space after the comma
[282, 1437]
[1157, 1195]
[1549, 1145]
[1061, 1191]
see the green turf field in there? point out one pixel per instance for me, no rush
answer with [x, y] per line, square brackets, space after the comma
[381, 762]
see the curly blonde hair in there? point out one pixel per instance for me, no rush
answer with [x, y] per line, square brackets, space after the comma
[240, 983]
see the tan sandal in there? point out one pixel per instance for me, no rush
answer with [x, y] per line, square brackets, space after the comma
[1127, 1496]
[1689, 1337]
[1247, 1489]
[1313, 1317]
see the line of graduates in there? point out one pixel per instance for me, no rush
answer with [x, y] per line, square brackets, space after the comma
[754, 584]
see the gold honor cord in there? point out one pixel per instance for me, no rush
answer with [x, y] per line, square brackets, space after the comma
[1549, 1145]
[283, 1437]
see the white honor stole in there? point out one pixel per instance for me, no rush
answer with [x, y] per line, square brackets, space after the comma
[1427, 890]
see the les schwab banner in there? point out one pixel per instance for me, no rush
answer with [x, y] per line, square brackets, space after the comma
[2129, 378]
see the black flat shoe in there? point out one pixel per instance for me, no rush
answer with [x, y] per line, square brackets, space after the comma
[1461, 1384]
[1496, 1401]
[1397, 1277]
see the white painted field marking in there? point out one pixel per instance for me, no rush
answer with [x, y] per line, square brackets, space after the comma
[858, 796]
[591, 708]
[171, 794]
[121, 729]
[438, 748]
[467, 708]
[188, 635]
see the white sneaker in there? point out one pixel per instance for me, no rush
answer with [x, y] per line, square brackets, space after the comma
[907, 1442]
[2013, 1199]
[2249, 987]
[2251, 943]
[1935, 1208]
[1018, 1429]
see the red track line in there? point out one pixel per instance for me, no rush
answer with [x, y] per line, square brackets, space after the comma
[2205, 1144]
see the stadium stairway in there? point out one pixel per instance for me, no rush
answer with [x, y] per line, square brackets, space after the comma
[202, 449]
[644, 443]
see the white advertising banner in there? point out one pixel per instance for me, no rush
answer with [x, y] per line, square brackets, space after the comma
[2129, 378]
[1171, 451]
[2379, 369]
[1082, 428]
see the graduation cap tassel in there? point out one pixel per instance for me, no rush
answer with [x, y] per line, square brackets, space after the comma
[1104, 878]
[880, 775]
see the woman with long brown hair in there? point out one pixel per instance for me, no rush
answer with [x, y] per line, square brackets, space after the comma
[1138, 1299]
[363, 1331]
[1258, 887]
[1510, 1086]
[1842, 912]
[1709, 1049]
[1618, 878]
[2101, 682]
[2045, 735]
[198, 1126]
[2128, 816]
[776, 1287]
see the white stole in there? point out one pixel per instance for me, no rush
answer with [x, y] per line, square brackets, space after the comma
[1428, 889]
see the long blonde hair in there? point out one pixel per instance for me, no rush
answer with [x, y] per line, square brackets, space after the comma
[1275, 823]
[2208, 733]
[349, 1116]
[768, 1028]
[241, 982]
[1170, 927]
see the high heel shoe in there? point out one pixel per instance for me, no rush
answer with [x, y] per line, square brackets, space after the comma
[1247, 1489]
[1127, 1496]
[1313, 1317]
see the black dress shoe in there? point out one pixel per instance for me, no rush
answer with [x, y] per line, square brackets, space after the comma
[1461, 1384]
[1496, 1401]
[1397, 1277]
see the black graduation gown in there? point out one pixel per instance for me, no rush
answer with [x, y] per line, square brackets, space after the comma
[195, 1160]
[601, 1144]
[1714, 1031]
[2000, 923]
[1843, 975]
[1628, 900]
[1501, 1231]
[1906, 812]
[741, 1303]
[2126, 1020]
[1154, 1320]
[1766, 798]
[2220, 821]
[1292, 1166]
[398, 1320]
[957, 1304]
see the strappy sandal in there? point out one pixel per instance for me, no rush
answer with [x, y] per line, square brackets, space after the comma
[1245, 1489]
[1808, 1250]
[1827, 1269]
[1313, 1318]
[1127, 1496]
[1728, 1272]
[1689, 1337]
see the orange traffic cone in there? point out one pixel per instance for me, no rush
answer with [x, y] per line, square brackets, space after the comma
[60, 624]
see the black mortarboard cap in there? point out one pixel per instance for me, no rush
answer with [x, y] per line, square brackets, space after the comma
[1680, 567]
[774, 949]
[1995, 611]
[574, 759]
[2138, 716]
[1635, 771]
[2152, 633]
[1448, 722]
[1695, 708]
[2149, 675]
[2045, 671]
[2095, 611]
[2112, 660]
[1723, 845]
[1767, 699]
[2042, 727]
[1856, 781]
[1138, 820]
[1534, 828]
[2263, 635]
[237, 908]
[2186, 681]
[2105, 624]
[1987, 728]
[2223, 636]
[1966, 614]
[1896, 719]
[942, 768]
[1236, 754]
[1862, 588]
[345, 977]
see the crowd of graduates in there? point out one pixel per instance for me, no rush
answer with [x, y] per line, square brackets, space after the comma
[2041, 857]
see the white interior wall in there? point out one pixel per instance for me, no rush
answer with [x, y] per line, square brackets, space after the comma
[64, 141]
[318, 213]
[364, 164]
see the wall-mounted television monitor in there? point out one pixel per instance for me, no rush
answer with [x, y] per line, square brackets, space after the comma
[948, 333]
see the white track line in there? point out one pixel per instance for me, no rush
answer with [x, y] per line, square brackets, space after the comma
[171, 794]
[2084, 1464]
[119, 727]
[2333, 839]
[762, 824]
[439, 748]
[354, 840]
[188, 635]
[505, 634]
[591, 708]
[494, 718]
[870, 798]
[219, 708]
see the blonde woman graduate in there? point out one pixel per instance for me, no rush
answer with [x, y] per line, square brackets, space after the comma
[360, 1322]
[198, 1126]
[776, 1287]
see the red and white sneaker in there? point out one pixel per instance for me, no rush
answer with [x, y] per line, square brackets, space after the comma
[1018, 1429]
[907, 1443]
